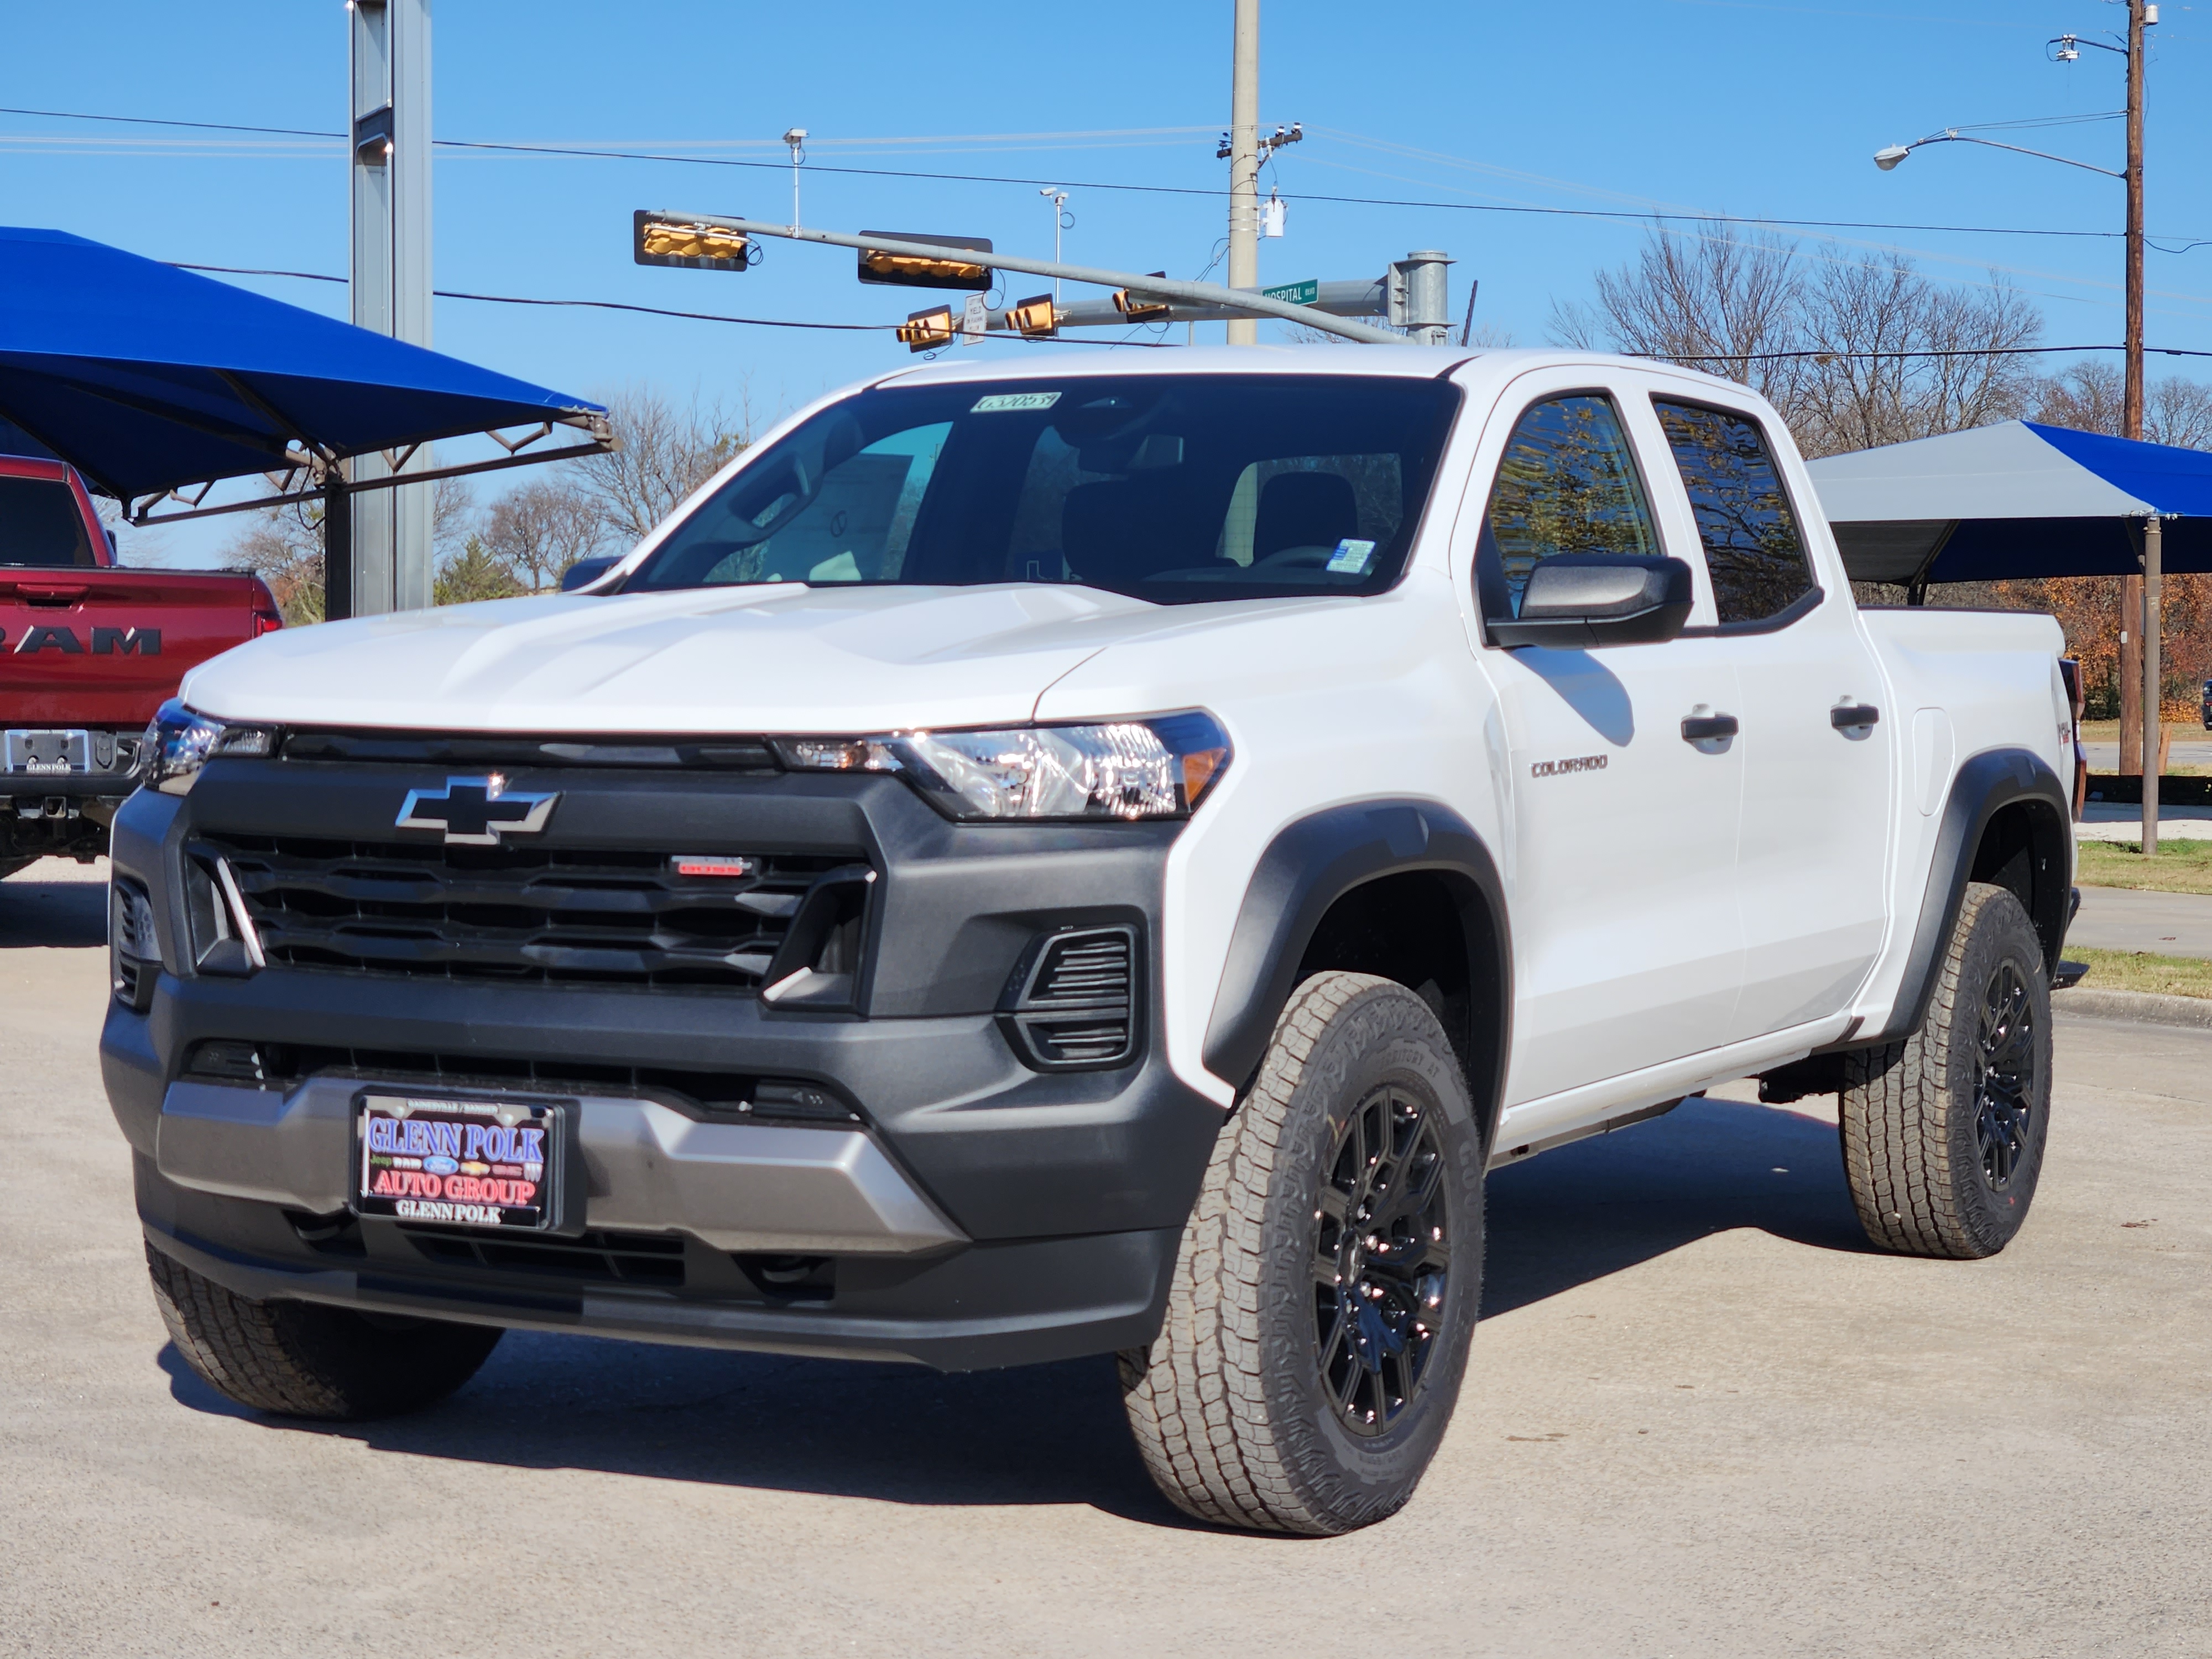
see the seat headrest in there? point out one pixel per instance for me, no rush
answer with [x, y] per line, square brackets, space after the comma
[1304, 509]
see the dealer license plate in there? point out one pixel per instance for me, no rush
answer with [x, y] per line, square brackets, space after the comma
[460, 1162]
[45, 753]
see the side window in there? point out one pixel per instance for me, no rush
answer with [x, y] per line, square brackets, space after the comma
[1752, 548]
[1567, 483]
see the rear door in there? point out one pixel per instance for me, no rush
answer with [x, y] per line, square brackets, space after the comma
[1813, 841]
[1627, 942]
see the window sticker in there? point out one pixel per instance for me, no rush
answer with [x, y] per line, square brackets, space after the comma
[1004, 403]
[1350, 557]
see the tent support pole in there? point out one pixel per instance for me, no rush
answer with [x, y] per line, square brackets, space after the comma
[2154, 544]
[338, 548]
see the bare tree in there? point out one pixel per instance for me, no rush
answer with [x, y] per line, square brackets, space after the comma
[2087, 396]
[666, 452]
[1706, 299]
[1854, 351]
[283, 545]
[538, 531]
[1901, 358]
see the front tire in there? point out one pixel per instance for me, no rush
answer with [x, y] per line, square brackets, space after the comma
[1317, 1328]
[306, 1359]
[1944, 1133]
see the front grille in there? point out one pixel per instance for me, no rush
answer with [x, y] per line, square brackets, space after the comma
[619, 1258]
[1075, 1006]
[530, 917]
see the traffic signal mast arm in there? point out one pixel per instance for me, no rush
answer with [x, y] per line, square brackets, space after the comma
[1342, 298]
[1212, 297]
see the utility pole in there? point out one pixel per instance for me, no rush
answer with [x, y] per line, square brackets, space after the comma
[390, 105]
[1244, 166]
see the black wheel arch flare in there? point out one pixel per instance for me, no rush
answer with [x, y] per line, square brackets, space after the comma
[2007, 820]
[1315, 861]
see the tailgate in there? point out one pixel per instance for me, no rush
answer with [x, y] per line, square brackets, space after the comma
[88, 647]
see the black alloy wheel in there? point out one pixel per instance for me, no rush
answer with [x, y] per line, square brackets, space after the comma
[1382, 1258]
[2004, 1089]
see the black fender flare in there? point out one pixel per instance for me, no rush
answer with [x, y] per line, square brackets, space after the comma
[1315, 861]
[1983, 787]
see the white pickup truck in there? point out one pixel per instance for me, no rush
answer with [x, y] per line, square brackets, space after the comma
[1089, 857]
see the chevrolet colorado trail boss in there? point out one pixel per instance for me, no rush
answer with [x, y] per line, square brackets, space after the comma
[1073, 859]
[88, 652]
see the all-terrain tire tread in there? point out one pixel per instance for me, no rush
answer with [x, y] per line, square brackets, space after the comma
[239, 1346]
[1200, 1419]
[1899, 1157]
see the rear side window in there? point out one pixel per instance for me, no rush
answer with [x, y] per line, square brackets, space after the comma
[40, 524]
[1567, 483]
[1752, 548]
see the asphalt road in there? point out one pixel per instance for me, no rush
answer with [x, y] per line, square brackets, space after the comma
[2164, 924]
[1703, 1419]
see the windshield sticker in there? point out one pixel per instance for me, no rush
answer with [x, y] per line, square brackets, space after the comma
[1350, 557]
[1004, 403]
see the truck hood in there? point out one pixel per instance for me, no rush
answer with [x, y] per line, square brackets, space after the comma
[785, 658]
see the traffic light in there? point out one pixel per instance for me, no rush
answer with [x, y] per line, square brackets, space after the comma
[926, 331]
[1142, 308]
[1035, 318]
[918, 270]
[689, 245]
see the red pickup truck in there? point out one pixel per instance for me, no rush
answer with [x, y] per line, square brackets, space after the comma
[89, 651]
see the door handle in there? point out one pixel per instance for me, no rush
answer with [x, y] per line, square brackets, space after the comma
[1704, 728]
[1845, 715]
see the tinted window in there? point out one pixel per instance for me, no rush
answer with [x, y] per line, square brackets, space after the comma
[1174, 488]
[40, 524]
[1752, 548]
[1568, 483]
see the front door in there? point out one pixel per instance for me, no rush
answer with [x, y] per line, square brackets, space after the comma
[1627, 945]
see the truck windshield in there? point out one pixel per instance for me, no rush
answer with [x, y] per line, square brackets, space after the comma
[1173, 488]
[40, 524]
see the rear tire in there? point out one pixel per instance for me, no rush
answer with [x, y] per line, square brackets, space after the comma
[1944, 1133]
[307, 1359]
[1317, 1328]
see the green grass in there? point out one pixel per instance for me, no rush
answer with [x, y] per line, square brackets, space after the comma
[2181, 866]
[2139, 970]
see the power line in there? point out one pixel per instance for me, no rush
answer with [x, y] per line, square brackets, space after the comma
[649, 311]
[1068, 339]
[1639, 214]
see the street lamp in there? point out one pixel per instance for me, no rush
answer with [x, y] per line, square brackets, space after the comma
[2139, 596]
[1889, 155]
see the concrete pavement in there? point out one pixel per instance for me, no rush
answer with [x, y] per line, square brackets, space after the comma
[1701, 1420]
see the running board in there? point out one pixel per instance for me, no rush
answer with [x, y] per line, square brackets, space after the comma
[1521, 1154]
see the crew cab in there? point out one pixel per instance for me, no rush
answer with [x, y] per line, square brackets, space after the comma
[89, 651]
[1084, 858]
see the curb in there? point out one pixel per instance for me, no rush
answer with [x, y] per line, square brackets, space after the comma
[2143, 1007]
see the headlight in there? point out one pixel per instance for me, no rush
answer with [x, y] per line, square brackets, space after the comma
[178, 743]
[1157, 768]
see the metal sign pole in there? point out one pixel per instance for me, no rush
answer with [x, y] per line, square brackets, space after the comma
[391, 274]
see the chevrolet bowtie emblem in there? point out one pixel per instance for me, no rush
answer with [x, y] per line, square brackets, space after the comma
[475, 811]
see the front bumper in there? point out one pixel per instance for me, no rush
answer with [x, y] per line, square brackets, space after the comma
[964, 1210]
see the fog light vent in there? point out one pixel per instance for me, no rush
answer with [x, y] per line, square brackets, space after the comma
[1074, 1006]
[134, 954]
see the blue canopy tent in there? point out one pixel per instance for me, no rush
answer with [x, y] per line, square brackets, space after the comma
[2015, 499]
[152, 381]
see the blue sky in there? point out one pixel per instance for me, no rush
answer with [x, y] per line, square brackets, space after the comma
[1723, 105]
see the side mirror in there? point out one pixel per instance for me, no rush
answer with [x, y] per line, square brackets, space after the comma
[1575, 601]
[584, 572]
